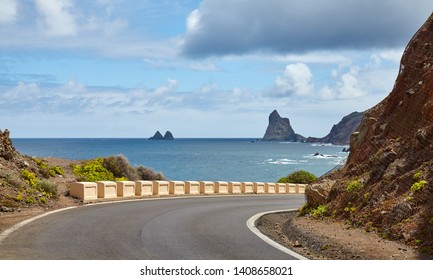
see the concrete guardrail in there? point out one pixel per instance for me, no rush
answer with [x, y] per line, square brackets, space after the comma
[107, 189]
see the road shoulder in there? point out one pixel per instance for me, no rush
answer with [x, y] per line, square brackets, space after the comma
[322, 239]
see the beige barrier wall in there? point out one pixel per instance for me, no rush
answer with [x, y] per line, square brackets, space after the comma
[291, 188]
[207, 187]
[270, 187]
[247, 187]
[192, 187]
[84, 190]
[259, 187]
[107, 189]
[125, 188]
[235, 187]
[301, 188]
[281, 188]
[221, 187]
[160, 188]
[176, 187]
[143, 188]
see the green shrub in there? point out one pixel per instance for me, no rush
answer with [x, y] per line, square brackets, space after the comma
[298, 177]
[120, 167]
[144, 173]
[417, 175]
[92, 171]
[29, 177]
[48, 187]
[19, 197]
[46, 169]
[56, 170]
[417, 186]
[354, 185]
[319, 212]
[114, 168]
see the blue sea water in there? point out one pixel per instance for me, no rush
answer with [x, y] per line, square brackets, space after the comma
[198, 159]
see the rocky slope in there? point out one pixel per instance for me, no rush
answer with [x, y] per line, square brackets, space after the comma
[26, 182]
[387, 182]
[279, 129]
[341, 132]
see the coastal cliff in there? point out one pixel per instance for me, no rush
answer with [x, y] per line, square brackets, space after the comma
[341, 132]
[279, 129]
[387, 182]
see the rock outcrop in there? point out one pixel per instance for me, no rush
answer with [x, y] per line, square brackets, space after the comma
[158, 136]
[387, 182]
[279, 129]
[7, 150]
[341, 132]
[168, 136]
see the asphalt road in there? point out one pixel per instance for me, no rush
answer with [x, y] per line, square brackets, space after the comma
[202, 228]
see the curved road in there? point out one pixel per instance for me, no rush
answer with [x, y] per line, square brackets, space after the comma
[185, 228]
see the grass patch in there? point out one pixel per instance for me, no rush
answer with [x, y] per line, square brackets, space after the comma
[418, 186]
[319, 212]
[48, 187]
[354, 186]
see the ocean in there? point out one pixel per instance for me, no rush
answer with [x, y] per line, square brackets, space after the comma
[198, 159]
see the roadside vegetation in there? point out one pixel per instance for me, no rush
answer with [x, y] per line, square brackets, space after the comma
[113, 168]
[298, 177]
[31, 182]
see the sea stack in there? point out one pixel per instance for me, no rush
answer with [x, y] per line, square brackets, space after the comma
[168, 136]
[279, 129]
[158, 136]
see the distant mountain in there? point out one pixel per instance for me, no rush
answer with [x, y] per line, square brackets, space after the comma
[279, 129]
[341, 132]
[158, 136]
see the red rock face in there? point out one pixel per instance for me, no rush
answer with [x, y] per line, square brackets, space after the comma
[387, 182]
[402, 124]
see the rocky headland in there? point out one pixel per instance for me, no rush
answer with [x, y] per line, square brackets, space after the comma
[341, 132]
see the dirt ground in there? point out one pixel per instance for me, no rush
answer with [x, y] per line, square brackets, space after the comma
[8, 219]
[322, 239]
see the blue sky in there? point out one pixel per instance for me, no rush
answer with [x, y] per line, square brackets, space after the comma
[211, 68]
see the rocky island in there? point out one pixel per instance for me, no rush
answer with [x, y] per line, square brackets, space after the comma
[279, 129]
[158, 136]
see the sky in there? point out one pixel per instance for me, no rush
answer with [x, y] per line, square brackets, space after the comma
[210, 68]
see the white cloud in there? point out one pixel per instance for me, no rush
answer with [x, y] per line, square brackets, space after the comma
[56, 18]
[349, 87]
[229, 27]
[8, 11]
[346, 86]
[392, 55]
[193, 21]
[295, 81]
[108, 27]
